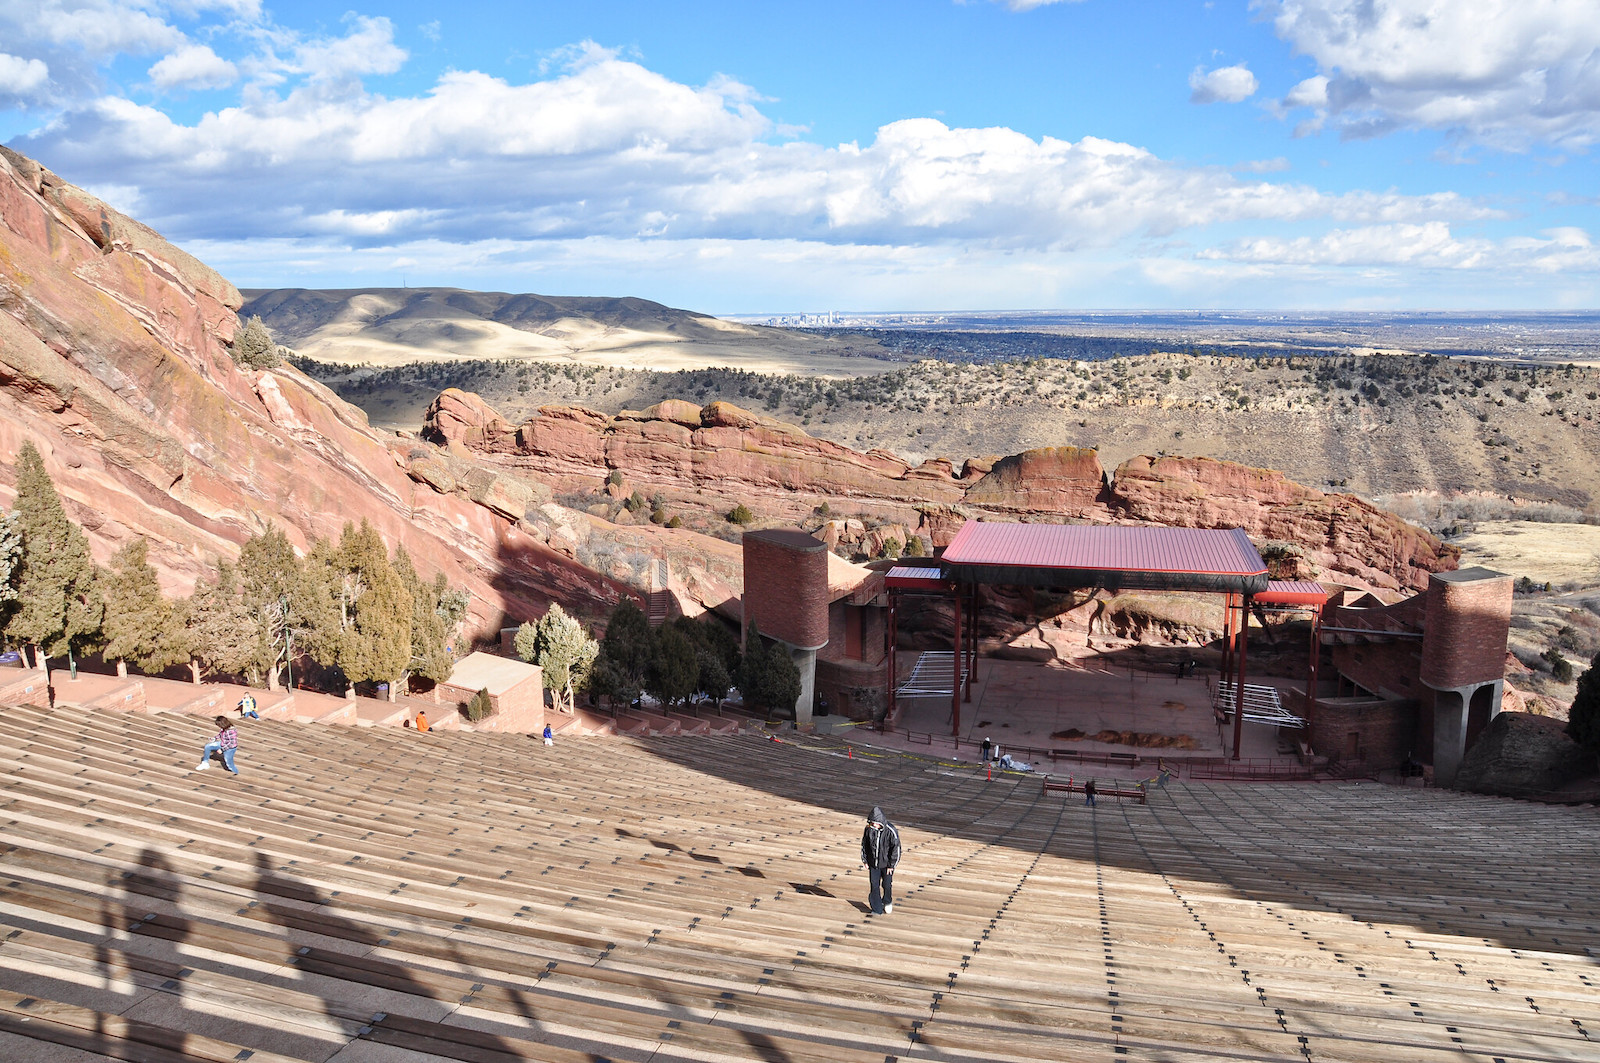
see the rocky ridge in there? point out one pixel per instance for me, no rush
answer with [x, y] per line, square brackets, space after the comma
[115, 361]
[710, 458]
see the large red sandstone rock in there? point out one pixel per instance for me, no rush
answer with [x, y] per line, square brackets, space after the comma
[1340, 533]
[1059, 482]
[114, 361]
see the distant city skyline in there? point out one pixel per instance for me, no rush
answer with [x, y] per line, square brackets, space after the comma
[734, 158]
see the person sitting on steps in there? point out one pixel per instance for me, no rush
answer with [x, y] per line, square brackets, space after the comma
[226, 743]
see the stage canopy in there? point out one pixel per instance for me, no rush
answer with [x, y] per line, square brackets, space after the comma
[1116, 558]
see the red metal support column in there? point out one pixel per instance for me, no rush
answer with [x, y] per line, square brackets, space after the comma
[1244, 648]
[972, 641]
[889, 637]
[1311, 683]
[955, 666]
[1227, 636]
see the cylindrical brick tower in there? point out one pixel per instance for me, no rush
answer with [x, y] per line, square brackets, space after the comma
[786, 587]
[1468, 617]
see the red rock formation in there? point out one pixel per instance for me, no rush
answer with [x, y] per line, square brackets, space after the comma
[1340, 533]
[115, 362]
[720, 455]
[1065, 482]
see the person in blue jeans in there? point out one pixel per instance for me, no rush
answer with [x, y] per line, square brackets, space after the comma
[880, 852]
[226, 743]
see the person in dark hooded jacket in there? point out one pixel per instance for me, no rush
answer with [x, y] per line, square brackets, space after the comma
[880, 852]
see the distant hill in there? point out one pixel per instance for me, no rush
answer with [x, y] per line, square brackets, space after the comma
[389, 326]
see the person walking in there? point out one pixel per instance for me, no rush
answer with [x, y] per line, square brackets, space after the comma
[226, 743]
[549, 736]
[987, 747]
[247, 706]
[880, 852]
[1088, 793]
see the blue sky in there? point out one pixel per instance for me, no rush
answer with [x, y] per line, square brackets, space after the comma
[920, 154]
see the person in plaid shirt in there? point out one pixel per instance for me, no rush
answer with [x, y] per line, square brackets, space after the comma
[226, 742]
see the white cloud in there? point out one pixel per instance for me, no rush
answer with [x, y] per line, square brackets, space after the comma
[610, 148]
[1312, 92]
[1503, 73]
[1029, 5]
[193, 66]
[20, 77]
[1429, 245]
[98, 27]
[1226, 84]
[1274, 165]
[369, 48]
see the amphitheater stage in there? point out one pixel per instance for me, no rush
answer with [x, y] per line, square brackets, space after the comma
[1027, 705]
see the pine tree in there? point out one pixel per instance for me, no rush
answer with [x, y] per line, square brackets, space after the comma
[377, 643]
[625, 653]
[253, 347]
[563, 651]
[768, 677]
[59, 608]
[140, 621]
[273, 582]
[224, 631]
[1583, 722]
[430, 637]
[674, 672]
[10, 563]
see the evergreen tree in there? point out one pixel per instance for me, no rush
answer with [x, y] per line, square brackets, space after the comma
[140, 623]
[674, 672]
[224, 630]
[768, 677]
[273, 581]
[253, 347]
[430, 637]
[10, 563]
[563, 651]
[625, 653]
[59, 608]
[376, 614]
[1583, 722]
[716, 652]
[321, 597]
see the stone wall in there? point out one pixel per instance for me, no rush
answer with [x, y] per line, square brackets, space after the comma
[1384, 730]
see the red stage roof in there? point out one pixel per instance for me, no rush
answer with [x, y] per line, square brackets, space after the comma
[1083, 555]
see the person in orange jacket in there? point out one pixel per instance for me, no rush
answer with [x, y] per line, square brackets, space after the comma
[422, 721]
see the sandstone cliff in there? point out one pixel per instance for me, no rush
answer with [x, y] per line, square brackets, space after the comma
[114, 360]
[711, 458]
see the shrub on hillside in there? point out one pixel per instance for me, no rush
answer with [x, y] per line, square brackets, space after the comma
[740, 514]
[253, 347]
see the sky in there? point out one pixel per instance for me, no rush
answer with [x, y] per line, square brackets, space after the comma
[746, 158]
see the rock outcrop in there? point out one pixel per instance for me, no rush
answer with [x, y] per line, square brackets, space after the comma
[714, 457]
[1520, 754]
[115, 363]
[1338, 533]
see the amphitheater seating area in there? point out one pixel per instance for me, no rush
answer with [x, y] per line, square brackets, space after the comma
[368, 895]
